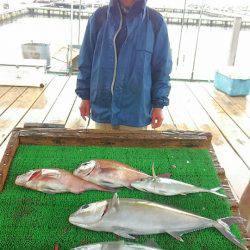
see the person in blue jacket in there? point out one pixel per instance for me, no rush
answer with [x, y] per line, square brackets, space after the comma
[124, 66]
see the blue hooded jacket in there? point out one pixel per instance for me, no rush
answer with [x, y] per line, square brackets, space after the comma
[123, 89]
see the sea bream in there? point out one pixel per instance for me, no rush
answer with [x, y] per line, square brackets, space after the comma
[53, 181]
[129, 217]
[109, 173]
[169, 187]
[115, 245]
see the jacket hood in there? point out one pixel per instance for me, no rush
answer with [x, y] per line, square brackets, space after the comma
[138, 7]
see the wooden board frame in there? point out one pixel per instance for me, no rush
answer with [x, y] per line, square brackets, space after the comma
[66, 137]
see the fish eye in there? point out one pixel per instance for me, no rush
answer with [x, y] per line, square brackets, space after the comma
[84, 206]
[85, 163]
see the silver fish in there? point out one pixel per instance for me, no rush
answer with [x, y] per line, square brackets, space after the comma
[54, 181]
[128, 217]
[116, 245]
[109, 173]
[169, 187]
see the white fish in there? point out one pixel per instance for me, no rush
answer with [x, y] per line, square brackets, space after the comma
[54, 181]
[169, 187]
[128, 217]
[115, 245]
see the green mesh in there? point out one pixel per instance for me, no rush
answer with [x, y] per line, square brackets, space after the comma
[33, 220]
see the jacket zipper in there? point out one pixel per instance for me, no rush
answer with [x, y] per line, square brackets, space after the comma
[116, 56]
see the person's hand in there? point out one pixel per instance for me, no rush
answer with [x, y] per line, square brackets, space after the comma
[157, 118]
[85, 109]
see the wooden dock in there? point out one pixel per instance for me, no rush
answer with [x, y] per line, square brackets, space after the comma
[171, 17]
[12, 14]
[193, 106]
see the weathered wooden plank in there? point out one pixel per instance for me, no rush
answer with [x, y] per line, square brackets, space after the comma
[10, 97]
[42, 125]
[95, 137]
[245, 207]
[241, 102]
[178, 111]
[236, 170]
[40, 109]
[60, 111]
[229, 129]
[236, 114]
[232, 201]
[16, 111]
[3, 90]
[7, 158]
[3, 147]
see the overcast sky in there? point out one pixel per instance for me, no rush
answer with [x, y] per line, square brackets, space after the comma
[180, 3]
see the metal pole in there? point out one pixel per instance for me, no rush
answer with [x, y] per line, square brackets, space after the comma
[71, 37]
[182, 24]
[79, 24]
[234, 41]
[197, 41]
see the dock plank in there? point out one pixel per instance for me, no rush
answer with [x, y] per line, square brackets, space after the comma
[60, 111]
[11, 117]
[3, 90]
[238, 115]
[3, 147]
[240, 102]
[178, 111]
[7, 99]
[236, 170]
[40, 109]
[229, 129]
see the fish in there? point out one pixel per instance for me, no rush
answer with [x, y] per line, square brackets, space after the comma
[130, 217]
[53, 181]
[170, 187]
[115, 245]
[109, 173]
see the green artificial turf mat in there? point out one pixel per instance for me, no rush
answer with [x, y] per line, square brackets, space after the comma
[33, 220]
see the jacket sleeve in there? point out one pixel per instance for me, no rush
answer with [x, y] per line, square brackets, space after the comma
[161, 68]
[85, 61]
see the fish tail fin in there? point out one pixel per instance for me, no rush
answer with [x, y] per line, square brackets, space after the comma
[215, 191]
[223, 225]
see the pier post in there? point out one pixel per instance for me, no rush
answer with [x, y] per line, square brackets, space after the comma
[234, 41]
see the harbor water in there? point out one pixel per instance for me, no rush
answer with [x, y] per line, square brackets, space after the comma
[212, 53]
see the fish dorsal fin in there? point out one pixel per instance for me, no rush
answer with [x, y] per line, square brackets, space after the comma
[153, 171]
[113, 205]
[155, 177]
